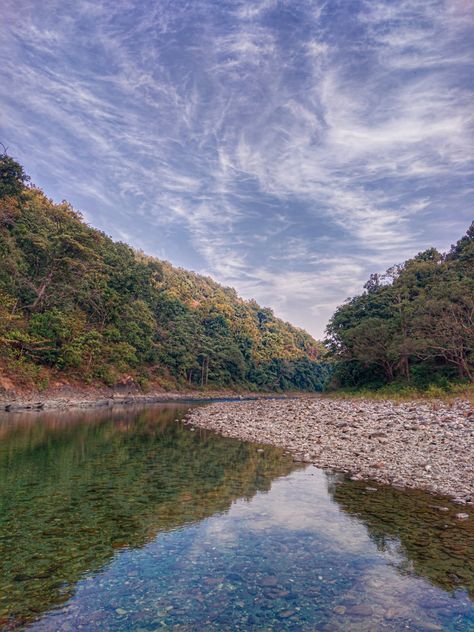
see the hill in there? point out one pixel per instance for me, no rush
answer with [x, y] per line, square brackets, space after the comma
[413, 325]
[76, 305]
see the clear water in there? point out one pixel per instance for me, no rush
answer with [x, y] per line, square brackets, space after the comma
[128, 520]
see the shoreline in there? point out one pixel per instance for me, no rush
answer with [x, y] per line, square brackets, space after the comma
[421, 444]
[84, 399]
[418, 445]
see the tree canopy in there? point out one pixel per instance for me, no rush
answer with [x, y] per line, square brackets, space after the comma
[414, 324]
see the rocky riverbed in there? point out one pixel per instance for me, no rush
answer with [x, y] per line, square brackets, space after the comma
[424, 445]
[63, 399]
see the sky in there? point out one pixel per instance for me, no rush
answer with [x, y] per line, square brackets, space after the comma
[287, 148]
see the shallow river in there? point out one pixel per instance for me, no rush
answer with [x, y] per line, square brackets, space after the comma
[128, 520]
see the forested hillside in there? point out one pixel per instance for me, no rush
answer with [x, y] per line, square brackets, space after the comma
[76, 305]
[412, 325]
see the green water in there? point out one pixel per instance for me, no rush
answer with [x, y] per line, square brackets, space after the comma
[129, 520]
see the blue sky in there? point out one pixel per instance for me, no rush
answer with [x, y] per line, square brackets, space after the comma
[286, 148]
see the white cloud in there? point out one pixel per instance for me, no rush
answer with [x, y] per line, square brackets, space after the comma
[247, 137]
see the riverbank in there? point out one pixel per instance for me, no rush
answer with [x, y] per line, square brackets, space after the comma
[104, 398]
[423, 445]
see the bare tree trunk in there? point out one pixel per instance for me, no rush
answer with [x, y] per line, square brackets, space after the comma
[388, 371]
[466, 371]
[41, 290]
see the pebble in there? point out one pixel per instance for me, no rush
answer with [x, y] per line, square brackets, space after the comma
[426, 445]
[339, 610]
[390, 614]
[286, 614]
[360, 610]
[270, 580]
[427, 626]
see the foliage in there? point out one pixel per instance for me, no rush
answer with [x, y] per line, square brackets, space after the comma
[77, 304]
[412, 326]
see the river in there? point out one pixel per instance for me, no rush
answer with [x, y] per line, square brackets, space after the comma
[127, 519]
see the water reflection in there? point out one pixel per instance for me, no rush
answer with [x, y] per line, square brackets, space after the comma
[76, 488]
[131, 521]
[418, 531]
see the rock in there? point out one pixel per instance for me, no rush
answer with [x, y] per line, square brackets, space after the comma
[377, 435]
[269, 580]
[126, 385]
[212, 581]
[427, 626]
[285, 614]
[339, 609]
[391, 614]
[360, 610]
[7, 387]
[461, 516]
[120, 611]
[317, 430]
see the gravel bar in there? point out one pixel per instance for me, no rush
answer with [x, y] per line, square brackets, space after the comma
[423, 445]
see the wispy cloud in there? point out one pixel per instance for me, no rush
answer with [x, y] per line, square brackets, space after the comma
[286, 148]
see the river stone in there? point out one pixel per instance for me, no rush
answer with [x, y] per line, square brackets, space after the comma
[433, 437]
[269, 580]
[427, 626]
[286, 614]
[390, 614]
[339, 610]
[361, 610]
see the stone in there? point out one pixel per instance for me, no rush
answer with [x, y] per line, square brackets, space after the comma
[360, 610]
[315, 429]
[427, 626]
[7, 387]
[339, 609]
[391, 614]
[269, 580]
[286, 614]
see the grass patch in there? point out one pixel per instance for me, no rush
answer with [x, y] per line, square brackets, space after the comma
[403, 392]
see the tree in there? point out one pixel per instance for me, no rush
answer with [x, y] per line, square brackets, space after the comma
[417, 319]
[13, 178]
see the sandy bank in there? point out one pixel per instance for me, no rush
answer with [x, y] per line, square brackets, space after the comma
[424, 445]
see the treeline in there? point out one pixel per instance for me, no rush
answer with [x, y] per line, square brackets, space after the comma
[74, 304]
[412, 325]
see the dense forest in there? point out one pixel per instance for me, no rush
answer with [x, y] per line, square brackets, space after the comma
[77, 306]
[412, 325]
